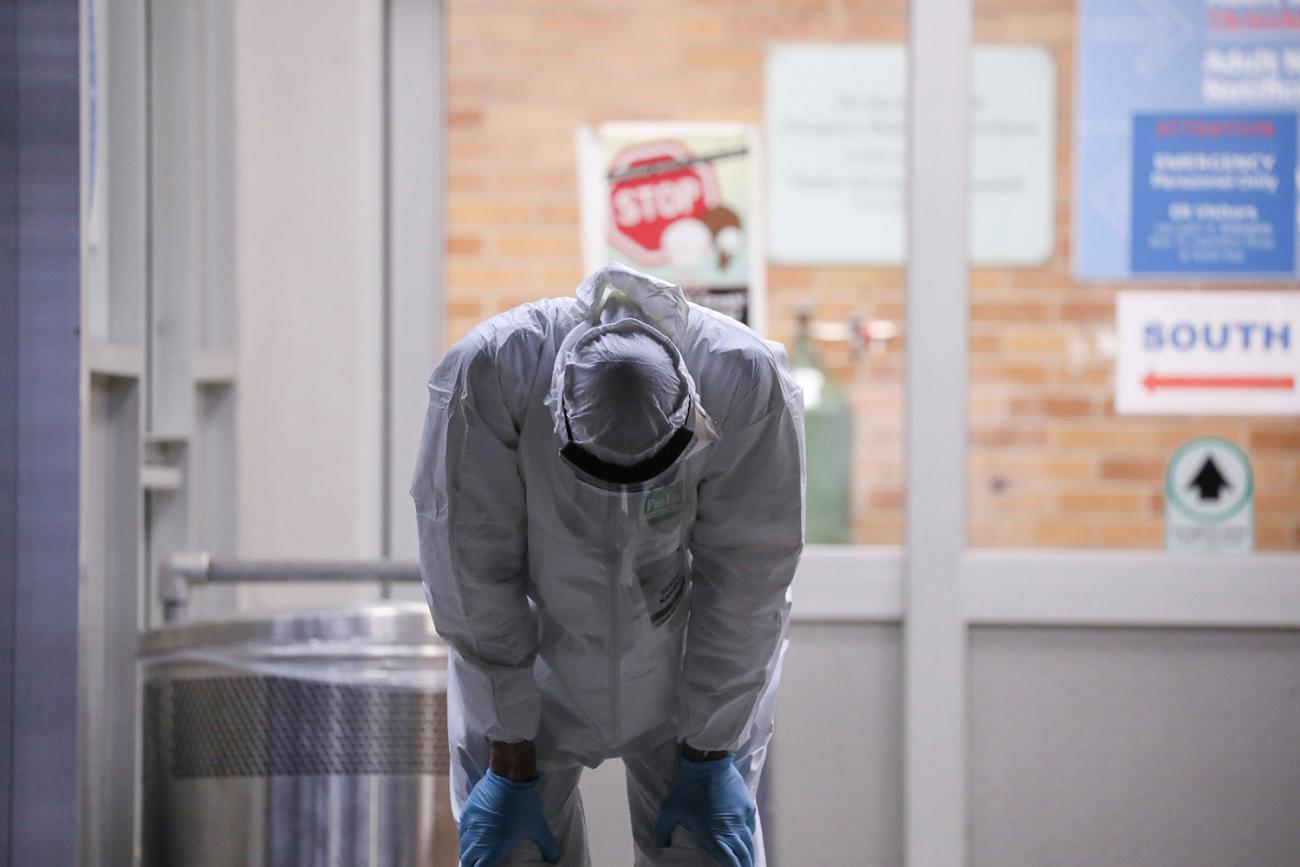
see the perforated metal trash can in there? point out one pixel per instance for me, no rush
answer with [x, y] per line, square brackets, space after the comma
[307, 740]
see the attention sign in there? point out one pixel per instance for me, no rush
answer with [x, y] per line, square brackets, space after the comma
[1213, 194]
[1185, 145]
[1208, 353]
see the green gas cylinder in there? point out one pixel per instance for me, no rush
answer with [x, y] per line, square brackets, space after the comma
[828, 441]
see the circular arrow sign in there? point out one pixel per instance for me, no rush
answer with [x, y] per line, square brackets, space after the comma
[644, 201]
[1209, 480]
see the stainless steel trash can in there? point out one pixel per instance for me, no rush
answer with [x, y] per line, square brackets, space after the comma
[298, 740]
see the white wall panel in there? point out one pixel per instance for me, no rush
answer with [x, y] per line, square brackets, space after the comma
[1121, 747]
[837, 755]
[835, 774]
[309, 280]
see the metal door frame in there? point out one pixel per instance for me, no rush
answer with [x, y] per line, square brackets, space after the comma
[158, 291]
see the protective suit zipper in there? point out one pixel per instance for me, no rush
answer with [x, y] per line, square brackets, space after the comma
[613, 567]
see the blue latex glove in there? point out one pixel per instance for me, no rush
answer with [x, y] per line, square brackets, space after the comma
[498, 816]
[711, 800]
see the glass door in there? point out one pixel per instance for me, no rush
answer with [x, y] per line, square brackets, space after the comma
[778, 130]
[1101, 563]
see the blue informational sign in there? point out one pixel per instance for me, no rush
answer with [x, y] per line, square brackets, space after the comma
[1213, 194]
[1173, 98]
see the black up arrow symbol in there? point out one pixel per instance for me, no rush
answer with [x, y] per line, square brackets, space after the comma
[1209, 481]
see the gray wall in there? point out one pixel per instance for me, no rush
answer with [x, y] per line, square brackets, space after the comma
[1133, 747]
[1105, 747]
[835, 774]
[39, 405]
[308, 224]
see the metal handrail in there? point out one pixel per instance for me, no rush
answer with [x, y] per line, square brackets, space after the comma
[180, 573]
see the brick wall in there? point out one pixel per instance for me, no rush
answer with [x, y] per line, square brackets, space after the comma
[1051, 465]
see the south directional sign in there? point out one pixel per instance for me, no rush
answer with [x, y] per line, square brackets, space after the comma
[1228, 352]
[1209, 499]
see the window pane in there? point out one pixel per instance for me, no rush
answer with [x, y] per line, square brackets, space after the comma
[1053, 461]
[523, 79]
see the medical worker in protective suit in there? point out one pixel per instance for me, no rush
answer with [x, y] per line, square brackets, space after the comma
[610, 504]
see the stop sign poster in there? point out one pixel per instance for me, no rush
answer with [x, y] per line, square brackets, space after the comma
[677, 201]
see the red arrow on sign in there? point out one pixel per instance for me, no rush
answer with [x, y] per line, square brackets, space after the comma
[1155, 381]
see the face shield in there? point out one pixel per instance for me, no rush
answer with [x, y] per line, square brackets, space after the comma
[652, 472]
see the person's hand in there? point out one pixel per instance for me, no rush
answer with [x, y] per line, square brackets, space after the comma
[710, 799]
[498, 816]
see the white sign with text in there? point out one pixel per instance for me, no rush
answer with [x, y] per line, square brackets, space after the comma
[1209, 499]
[1208, 353]
[836, 132]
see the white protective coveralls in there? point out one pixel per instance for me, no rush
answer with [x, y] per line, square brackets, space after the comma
[599, 622]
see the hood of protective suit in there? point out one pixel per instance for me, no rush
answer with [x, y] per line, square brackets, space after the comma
[620, 387]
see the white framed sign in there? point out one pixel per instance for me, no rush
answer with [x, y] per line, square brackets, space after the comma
[836, 126]
[1209, 499]
[1225, 352]
[680, 201]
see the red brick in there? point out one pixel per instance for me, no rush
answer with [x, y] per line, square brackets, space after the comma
[1268, 538]
[1132, 469]
[997, 313]
[1287, 503]
[464, 118]
[1053, 407]
[1004, 437]
[1101, 437]
[464, 246]
[1080, 311]
[1282, 440]
[1013, 374]
[1082, 504]
[1063, 534]
[887, 499]
[1133, 534]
